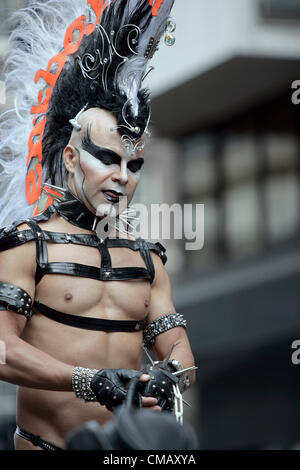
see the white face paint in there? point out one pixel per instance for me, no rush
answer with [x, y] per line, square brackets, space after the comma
[103, 163]
[92, 178]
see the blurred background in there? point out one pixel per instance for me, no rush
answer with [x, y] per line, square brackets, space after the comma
[226, 135]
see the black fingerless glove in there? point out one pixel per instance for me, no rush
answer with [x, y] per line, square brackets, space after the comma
[109, 385]
[160, 384]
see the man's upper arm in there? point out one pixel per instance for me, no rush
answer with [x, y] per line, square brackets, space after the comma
[161, 304]
[17, 267]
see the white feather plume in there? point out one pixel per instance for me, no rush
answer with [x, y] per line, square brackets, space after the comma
[37, 37]
[43, 34]
[130, 77]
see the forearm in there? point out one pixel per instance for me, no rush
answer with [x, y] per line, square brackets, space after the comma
[181, 352]
[184, 355]
[30, 367]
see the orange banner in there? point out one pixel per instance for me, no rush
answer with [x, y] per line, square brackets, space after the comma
[34, 177]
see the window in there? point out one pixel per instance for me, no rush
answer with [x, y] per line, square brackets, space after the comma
[280, 9]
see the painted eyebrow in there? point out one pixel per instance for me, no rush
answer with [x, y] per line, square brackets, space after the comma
[93, 149]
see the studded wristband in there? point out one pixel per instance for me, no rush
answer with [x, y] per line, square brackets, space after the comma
[81, 381]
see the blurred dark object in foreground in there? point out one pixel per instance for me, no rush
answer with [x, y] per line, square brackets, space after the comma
[7, 430]
[134, 429]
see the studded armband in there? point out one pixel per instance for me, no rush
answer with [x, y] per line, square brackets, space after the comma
[14, 298]
[162, 324]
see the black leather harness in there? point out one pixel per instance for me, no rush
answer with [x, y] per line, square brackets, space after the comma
[76, 213]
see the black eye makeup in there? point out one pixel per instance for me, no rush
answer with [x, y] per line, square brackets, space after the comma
[135, 165]
[106, 156]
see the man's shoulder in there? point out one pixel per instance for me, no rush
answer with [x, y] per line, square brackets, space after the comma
[155, 247]
[20, 231]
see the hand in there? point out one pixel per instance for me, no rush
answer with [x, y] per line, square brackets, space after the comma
[149, 402]
[109, 385]
[159, 386]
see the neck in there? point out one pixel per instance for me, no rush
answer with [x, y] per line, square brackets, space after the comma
[72, 209]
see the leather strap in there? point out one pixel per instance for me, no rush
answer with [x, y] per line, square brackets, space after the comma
[89, 323]
[36, 440]
[146, 255]
[100, 274]
[41, 250]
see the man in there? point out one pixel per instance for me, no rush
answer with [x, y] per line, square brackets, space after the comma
[73, 306]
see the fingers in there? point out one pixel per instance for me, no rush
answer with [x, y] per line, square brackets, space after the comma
[154, 408]
[149, 401]
[144, 377]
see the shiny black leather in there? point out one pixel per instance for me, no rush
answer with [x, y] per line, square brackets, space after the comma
[89, 323]
[36, 440]
[76, 213]
[109, 386]
[160, 384]
[14, 298]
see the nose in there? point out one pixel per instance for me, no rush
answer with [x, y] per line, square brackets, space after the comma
[120, 174]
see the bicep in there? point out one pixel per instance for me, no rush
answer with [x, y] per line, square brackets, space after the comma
[161, 302]
[17, 267]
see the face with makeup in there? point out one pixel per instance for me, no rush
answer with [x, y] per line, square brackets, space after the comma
[99, 165]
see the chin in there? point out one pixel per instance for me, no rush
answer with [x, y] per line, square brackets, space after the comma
[106, 209]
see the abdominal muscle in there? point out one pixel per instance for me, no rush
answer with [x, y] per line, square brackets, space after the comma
[52, 414]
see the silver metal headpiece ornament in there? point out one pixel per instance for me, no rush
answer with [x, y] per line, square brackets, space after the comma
[94, 65]
[131, 144]
[75, 122]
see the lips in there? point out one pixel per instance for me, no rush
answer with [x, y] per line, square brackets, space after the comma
[113, 193]
[112, 196]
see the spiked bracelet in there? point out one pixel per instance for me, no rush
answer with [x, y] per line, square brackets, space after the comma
[160, 325]
[81, 380]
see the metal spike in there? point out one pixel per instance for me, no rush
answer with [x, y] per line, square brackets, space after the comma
[147, 72]
[128, 223]
[118, 228]
[128, 216]
[186, 403]
[127, 210]
[166, 360]
[179, 372]
[55, 188]
[148, 355]
[54, 196]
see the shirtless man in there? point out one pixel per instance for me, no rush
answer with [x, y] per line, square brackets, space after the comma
[41, 353]
[75, 308]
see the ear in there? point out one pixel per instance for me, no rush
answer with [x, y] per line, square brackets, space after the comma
[70, 156]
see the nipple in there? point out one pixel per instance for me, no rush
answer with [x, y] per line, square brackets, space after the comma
[68, 296]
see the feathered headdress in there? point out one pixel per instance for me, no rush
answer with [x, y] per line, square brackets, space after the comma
[99, 54]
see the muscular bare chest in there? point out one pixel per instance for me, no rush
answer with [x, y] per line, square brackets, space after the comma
[112, 299]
